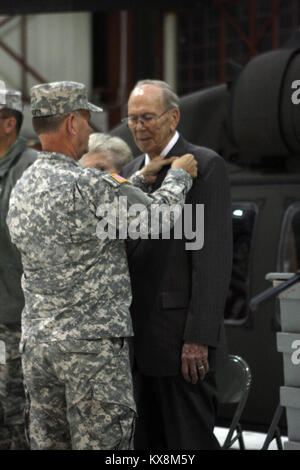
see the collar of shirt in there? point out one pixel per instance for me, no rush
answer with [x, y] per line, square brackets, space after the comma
[167, 148]
[57, 156]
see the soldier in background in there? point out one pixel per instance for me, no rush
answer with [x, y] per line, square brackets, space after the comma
[76, 319]
[15, 157]
[107, 153]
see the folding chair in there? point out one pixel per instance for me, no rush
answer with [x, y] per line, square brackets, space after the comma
[233, 382]
[274, 431]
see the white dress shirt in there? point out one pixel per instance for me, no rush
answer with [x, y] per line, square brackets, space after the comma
[166, 150]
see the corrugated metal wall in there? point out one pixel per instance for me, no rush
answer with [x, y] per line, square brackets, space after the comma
[58, 48]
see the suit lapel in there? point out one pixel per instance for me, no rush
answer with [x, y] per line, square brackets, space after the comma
[177, 151]
[160, 177]
[139, 163]
[134, 166]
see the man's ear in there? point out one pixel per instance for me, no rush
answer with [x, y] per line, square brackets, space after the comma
[175, 114]
[71, 124]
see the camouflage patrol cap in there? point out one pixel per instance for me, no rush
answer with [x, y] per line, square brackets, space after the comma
[11, 99]
[49, 99]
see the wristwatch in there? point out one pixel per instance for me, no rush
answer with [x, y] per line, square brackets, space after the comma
[140, 175]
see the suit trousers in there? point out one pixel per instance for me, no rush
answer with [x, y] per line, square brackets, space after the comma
[174, 414]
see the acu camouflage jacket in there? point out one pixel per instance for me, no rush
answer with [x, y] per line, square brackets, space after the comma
[76, 286]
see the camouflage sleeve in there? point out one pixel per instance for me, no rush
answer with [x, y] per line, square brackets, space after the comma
[138, 214]
[127, 204]
[172, 191]
[140, 181]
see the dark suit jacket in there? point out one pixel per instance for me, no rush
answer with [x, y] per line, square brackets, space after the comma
[179, 295]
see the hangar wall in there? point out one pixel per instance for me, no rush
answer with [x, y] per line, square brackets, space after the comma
[58, 47]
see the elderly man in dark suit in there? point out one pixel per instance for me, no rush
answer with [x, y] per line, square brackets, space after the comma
[179, 293]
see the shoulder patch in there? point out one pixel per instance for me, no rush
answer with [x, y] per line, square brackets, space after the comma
[114, 179]
[119, 178]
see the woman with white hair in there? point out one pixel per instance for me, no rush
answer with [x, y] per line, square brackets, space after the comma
[107, 153]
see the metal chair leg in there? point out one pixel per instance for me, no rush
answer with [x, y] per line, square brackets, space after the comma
[278, 439]
[240, 437]
[273, 428]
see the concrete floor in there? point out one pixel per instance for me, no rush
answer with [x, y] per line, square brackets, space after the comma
[253, 440]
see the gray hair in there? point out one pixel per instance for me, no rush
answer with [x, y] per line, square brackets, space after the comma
[99, 142]
[50, 124]
[171, 99]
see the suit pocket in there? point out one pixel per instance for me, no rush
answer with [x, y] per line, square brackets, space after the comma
[174, 300]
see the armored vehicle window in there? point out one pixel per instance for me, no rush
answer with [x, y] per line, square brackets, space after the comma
[243, 220]
[289, 251]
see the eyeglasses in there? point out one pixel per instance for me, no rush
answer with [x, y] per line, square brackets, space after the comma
[145, 119]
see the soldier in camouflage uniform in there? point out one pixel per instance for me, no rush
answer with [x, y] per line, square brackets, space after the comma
[76, 319]
[15, 157]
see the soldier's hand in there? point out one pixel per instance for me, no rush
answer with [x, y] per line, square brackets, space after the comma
[151, 170]
[188, 163]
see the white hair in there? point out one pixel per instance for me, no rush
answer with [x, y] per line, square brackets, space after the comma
[171, 99]
[100, 142]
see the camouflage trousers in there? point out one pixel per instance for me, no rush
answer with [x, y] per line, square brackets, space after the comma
[81, 395]
[12, 399]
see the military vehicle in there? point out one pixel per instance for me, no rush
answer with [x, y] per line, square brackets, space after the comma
[254, 123]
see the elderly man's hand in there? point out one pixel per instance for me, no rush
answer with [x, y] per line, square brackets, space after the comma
[194, 361]
[151, 170]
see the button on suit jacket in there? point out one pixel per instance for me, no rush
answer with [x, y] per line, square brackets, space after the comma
[178, 294]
